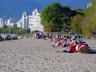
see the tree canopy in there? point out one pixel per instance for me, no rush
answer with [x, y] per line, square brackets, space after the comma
[54, 17]
[57, 18]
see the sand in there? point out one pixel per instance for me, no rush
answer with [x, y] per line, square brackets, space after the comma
[33, 55]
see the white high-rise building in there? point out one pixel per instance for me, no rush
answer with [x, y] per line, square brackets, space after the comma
[18, 24]
[89, 4]
[10, 23]
[1, 23]
[23, 21]
[34, 21]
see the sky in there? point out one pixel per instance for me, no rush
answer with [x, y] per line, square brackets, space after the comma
[14, 8]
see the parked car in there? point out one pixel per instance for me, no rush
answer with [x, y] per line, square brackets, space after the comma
[11, 37]
[8, 37]
[1, 39]
[3, 36]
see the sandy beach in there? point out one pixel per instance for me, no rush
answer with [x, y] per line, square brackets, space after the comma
[35, 55]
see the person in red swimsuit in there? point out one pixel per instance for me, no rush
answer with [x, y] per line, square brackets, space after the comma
[72, 47]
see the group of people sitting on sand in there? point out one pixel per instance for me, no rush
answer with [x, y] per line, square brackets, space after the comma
[72, 45]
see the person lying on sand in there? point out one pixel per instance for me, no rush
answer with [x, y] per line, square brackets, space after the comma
[77, 47]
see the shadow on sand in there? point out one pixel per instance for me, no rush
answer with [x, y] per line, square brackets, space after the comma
[92, 51]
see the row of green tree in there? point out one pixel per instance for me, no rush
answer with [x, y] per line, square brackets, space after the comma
[57, 18]
[13, 30]
[86, 23]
